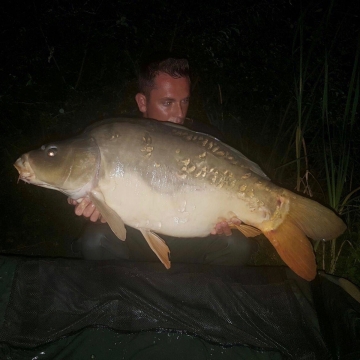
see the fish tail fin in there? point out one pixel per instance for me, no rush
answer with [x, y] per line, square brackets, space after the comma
[315, 220]
[294, 248]
[303, 217]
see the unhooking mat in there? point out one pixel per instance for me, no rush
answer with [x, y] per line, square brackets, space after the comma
[76, 309]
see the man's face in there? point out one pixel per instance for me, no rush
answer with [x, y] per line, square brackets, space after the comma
[168, 100]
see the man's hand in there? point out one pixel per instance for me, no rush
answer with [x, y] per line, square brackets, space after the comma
[86, 208]
[224, 227]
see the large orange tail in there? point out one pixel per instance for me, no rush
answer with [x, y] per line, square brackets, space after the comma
[308, 217]
[294, 248]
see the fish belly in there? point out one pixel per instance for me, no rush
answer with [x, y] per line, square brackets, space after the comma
[190, 212]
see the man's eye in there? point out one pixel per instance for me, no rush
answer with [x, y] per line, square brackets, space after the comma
[167, 103]
[185, 101]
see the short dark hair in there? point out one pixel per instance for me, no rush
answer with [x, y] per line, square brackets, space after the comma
[175, 67]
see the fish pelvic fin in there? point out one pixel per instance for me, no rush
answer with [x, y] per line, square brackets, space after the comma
[294, 248]
[315, 220]
[158, 246]
[247, 230]
[112, 218]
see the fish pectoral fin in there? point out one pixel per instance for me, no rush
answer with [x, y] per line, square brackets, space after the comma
[112, 218]
[294, 248]
[158, 246]
[247, 230]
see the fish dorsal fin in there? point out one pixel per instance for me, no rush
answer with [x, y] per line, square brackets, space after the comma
[112, 218]
[294, 248]
[158, 246]
[247, 230]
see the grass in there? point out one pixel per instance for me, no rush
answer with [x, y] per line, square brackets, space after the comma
[338, 139]
[337, 156]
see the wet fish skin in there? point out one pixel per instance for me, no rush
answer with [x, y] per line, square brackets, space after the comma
[165, 179]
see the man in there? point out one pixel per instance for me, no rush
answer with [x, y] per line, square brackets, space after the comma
[164, 95]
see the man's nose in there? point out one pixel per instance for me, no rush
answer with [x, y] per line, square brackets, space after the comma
[178, 110]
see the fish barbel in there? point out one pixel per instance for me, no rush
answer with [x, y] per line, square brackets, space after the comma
[162, 178]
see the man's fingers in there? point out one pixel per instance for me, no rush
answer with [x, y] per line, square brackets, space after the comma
[222, 227]
[79, 209]
[89, 210]
[71, 201]
[95, 215]
[86, 208]
[226, 230]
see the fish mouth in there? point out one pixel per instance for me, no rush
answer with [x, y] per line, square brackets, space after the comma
[23, 167]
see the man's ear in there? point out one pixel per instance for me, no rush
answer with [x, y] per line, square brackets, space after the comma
[141, 102]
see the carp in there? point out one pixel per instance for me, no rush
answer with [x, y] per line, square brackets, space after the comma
[162, 178]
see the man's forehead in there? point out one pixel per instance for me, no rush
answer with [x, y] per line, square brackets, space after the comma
[167, 88]
[165, 79]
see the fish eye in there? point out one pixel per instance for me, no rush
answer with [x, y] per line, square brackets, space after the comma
[52, 151]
